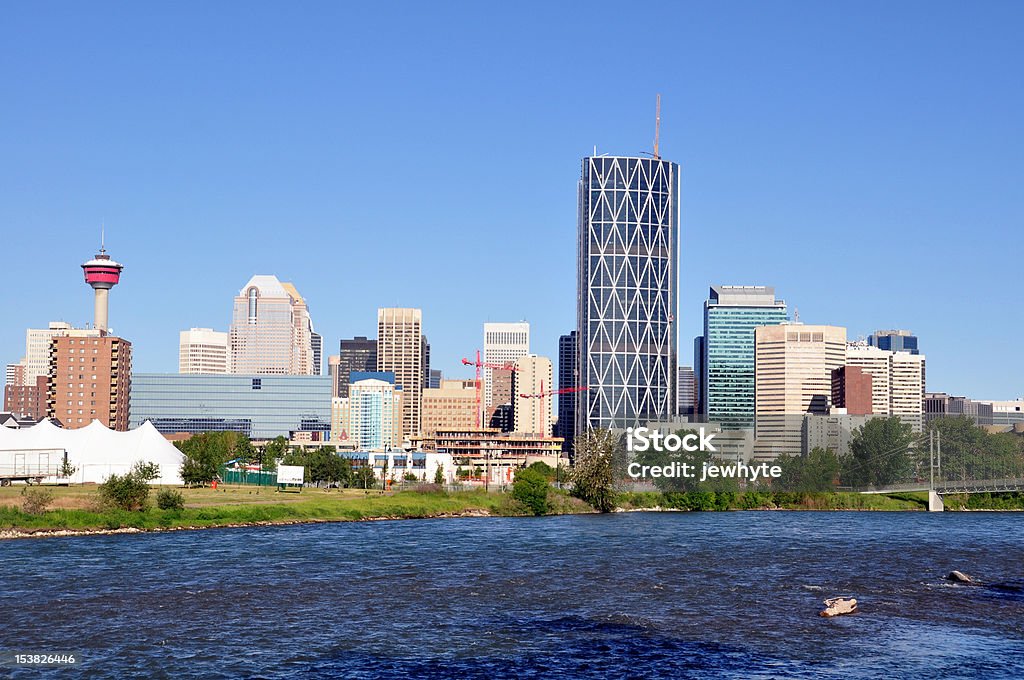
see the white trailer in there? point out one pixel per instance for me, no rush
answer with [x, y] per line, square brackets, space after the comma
[31, 466]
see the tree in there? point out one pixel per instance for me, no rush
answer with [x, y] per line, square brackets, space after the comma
[66, 468]
[969, 452]
[592, 479]
[364, 477]
[273, 451]
[531, 489]
[817, 471]
[439, 474]
[544, 469]
[130, 491]
[880, 453]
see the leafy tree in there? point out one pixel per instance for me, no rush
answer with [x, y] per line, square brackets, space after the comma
[130, 491]
[880, 453]
[970, 452]
[410, 477]
[274, 451]
[592, 479]
[364, 477]
[531, 489]
[67, 470]
[35, 501]
[818, 471]
[170, 499]
[439, 474]
[204, 453]
[544, 469]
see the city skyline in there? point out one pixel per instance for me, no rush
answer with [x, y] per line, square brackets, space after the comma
[814, 171]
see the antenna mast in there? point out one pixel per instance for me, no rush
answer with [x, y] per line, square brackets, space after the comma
[657, 126]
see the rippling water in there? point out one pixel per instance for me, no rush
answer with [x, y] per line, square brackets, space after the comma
[628, 595]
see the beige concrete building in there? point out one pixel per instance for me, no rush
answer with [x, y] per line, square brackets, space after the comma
[534, 414]
[897, 381]
[90, 379]
[452, 406]
[271, 331]
[793, 366]
[202, 351]
[400, 351]
[370, 417]
[504, 343]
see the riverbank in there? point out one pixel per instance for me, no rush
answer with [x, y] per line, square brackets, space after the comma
[75, 510]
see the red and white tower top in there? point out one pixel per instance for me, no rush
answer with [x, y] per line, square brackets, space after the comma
[102, 273]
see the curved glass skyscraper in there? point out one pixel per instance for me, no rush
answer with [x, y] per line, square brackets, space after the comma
[626, 291]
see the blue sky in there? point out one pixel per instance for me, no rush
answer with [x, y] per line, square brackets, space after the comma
[866, 159]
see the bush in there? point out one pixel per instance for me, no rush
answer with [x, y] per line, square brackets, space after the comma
[170, 499]
[531, 489]
[35, 501]
[129, 491]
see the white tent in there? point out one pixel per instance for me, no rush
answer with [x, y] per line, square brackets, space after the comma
[97, 451]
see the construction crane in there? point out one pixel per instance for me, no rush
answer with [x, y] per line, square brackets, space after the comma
[479, 385]
[544, 395]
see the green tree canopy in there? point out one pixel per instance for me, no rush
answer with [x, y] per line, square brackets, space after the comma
[881, 453]
[593, 478]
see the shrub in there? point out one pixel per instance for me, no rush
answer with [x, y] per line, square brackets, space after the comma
[35, 501]
[129, 491]
[170, 499]
[531, 489]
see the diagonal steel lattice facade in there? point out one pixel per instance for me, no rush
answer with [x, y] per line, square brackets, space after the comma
[627, 291]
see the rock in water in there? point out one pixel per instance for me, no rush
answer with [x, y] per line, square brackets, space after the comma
[960, 577]
[837, 606]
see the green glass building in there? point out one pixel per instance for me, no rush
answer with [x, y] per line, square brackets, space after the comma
[731, 313]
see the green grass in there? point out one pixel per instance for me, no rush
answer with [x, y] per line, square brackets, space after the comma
[311, 505]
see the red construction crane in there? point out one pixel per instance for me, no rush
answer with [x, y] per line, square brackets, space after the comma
[479, 386]
[541, 412]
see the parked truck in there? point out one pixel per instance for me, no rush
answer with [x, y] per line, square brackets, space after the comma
[31, 466]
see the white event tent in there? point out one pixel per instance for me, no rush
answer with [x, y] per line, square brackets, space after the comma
[96, 450]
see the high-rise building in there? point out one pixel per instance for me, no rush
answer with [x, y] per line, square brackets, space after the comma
[451, 406]
[793, 377]
[271, 331]
[358, 354]
[851, 390]
[316, 343]
[533, 412]
[685, 387]
[897, 381]
[627, 277]
[426, 362]
[371, 416]
[36, 361]
[27, 400]
[202, 351]
[894, 341]
[566, 425]
[258, 406]
[400, 350]
[90, 379]
[503, 344]
[731, 314]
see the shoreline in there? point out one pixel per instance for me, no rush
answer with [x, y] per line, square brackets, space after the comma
[14, 534]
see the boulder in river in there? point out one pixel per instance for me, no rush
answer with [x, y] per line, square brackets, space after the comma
[960, 577]
[837, 606]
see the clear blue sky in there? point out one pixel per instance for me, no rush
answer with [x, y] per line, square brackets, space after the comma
[866, 159]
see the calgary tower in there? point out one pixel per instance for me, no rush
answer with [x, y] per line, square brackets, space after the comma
[102, 274]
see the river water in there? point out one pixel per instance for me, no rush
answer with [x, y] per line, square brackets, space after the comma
[627, 595]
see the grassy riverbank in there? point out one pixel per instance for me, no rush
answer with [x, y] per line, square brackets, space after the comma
[76, 508]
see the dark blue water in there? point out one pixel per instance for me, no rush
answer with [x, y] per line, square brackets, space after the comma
[629, 595]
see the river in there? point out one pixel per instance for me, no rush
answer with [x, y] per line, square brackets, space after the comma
[626, 595]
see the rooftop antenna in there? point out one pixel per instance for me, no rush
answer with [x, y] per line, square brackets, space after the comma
[102, 238]
[657, 127]
[796, 315]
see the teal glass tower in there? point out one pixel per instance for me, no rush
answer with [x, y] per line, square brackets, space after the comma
[731, 313]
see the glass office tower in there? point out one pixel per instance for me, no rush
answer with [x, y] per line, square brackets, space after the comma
[731, 313]
[626, 291]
